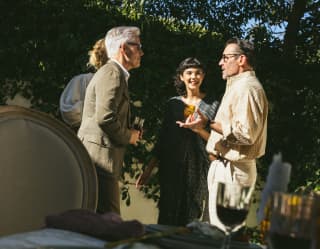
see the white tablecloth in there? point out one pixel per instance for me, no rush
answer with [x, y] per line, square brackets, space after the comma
[45, 238]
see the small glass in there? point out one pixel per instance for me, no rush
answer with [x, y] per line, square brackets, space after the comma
[232, 207]
[138, 125]
[292, 218]
[188, 110]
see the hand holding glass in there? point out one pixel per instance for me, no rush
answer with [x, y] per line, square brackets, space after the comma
[138, 125]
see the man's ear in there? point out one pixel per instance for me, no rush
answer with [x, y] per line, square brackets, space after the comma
[126, 51]
[123, 48]
[243, 60]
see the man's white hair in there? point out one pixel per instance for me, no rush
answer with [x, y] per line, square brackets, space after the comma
[118, 35]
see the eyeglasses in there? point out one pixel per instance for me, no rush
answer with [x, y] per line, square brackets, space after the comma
[138, 45]
[226, 57]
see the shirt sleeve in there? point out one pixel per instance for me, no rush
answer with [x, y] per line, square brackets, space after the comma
[209, 110]
[72, 98]
[247, 118]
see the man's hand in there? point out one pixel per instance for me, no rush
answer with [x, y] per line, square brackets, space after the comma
[195, 122]
[212, 157]
[135, 137]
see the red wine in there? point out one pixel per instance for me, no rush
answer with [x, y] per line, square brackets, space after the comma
[281, 241]
[231, 216]
[138, 123]
[137, 127]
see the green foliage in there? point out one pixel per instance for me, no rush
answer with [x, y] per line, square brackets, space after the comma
[46, 43]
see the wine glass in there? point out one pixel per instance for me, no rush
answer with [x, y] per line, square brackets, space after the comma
[232, 207]
[188, 110]
[138, 124]
[291, 224]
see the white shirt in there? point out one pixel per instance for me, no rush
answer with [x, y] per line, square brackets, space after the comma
[72, 98]
[243, 116]
[126, 72]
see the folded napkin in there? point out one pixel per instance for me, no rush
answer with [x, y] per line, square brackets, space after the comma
[108, 226]
[277, 181]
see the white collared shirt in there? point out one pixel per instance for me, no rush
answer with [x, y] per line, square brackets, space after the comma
[126, 73]
[243, 117]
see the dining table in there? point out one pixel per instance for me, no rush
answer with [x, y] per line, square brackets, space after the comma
[156, 237]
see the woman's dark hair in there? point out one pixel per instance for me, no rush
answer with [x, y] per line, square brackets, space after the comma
[190, 62]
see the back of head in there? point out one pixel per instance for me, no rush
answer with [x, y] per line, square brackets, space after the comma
[245, 47]
[98, 54]
[119, 35]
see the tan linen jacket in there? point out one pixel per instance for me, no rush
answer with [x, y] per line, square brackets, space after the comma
[105, 126]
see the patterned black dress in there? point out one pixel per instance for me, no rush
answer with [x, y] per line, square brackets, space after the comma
[183, 165]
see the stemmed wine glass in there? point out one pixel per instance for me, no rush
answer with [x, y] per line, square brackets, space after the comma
[292, 221]
[138, 124]
[232, 207]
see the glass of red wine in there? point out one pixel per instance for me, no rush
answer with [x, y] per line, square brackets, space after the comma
[232, 207]
[292, 218]
[138, 124]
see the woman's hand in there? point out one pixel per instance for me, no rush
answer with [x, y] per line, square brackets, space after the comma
[145, 176]
[196, 121]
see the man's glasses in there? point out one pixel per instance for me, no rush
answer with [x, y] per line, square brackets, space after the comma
[138, 45]
[226, 57]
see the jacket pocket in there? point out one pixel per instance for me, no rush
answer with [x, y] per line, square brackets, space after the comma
[99, 140]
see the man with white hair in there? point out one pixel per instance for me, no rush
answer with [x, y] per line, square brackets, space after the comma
[105, 129]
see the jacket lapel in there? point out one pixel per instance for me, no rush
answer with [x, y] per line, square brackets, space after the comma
[125, 91]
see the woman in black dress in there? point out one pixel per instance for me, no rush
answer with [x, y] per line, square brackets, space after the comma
[180, 153]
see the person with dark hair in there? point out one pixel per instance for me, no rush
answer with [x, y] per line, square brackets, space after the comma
[180, 153]
[72, 97]
[239, 131]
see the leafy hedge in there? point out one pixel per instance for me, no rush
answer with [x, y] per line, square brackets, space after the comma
[45, 43]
